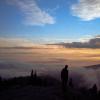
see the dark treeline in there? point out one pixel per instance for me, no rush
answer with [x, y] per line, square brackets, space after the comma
[33, 80]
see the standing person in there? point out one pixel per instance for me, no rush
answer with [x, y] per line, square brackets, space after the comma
[64, 77]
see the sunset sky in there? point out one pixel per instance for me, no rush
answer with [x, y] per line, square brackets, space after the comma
[48, 21]
[47, 34]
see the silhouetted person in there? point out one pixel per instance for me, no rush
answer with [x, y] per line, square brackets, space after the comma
[32, 73]
[31, 77]
[94, 89]
[35, 78]
[35, 75]
[64, 77]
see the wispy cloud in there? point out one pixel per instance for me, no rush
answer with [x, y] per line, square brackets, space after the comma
[15, 42]
[33, 14]
[86, 9]
[22, 43]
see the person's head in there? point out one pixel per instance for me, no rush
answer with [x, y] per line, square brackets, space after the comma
[66, 66]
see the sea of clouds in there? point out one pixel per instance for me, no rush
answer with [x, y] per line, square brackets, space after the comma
[81, 76]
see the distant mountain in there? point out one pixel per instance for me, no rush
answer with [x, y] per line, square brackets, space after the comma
[93, 66]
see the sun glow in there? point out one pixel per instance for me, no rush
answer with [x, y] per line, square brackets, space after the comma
[52, 55]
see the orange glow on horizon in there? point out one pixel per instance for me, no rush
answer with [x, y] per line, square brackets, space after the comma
[53, 55]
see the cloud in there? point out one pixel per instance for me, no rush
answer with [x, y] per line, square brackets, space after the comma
[91, 43]
[15, 42]
[86, 9]
[33, 14]
[23, 43]
[98, 36]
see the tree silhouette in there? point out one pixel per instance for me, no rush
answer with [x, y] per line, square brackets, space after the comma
[32, 73]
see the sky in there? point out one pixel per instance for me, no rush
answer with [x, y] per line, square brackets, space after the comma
[70, 30]
[48, 21]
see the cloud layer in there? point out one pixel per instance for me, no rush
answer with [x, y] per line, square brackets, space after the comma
[33, 14]
[15, 42]
[92, 43]
[86, 9]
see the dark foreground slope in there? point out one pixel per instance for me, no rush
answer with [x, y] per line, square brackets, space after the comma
[32, 93]
[31, 88]
[43, 88]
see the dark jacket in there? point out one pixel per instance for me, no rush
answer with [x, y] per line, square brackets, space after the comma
[64, 74]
